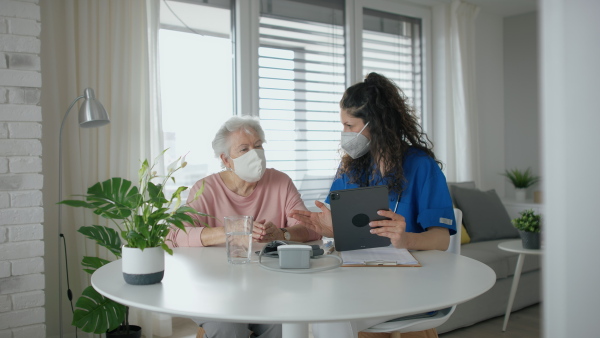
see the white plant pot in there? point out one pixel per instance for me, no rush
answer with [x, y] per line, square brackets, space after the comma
[520, 194]
[143, 267]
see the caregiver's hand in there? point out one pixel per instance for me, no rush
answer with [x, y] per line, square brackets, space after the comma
[319, 222]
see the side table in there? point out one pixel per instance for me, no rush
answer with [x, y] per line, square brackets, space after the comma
[515, 246]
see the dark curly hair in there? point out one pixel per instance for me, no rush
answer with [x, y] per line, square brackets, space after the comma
[393, 126]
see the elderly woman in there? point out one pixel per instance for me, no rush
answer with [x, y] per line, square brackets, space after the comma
[245, 187]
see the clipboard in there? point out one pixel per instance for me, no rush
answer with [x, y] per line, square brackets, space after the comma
[379, 257]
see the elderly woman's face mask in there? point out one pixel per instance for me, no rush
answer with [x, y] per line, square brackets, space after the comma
[251, 166]
[247, 155]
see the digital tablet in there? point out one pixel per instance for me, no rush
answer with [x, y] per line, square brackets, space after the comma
[351, 212]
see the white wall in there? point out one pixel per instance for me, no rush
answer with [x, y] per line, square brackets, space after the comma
[490, 99]
[521, 96]
[570, 79]
[22, 276]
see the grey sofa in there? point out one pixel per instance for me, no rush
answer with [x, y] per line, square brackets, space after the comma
[481, 209]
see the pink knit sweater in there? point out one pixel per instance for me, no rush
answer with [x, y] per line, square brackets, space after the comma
[272, 199]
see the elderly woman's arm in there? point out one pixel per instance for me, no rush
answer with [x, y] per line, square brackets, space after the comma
[266, 232]
[195, 235]
[202, 232]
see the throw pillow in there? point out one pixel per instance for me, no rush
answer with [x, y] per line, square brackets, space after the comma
[466, 184]
[484, 215]
[464, 235]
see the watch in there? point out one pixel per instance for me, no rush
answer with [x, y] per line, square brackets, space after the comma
[286, 234]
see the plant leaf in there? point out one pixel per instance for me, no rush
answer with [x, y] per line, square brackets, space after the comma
[199, 192]
[105, 236]
[529, 221]
[521, 179]
[167, 249]
[177, 195]
[116, 198]
[93, 262]
[156, 194]
[95, 313]
[77, 203]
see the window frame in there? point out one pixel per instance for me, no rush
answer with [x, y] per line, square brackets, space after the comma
[247, 14]
[354, 25]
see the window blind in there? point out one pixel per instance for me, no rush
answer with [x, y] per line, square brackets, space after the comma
[301, 80]
[392, 47]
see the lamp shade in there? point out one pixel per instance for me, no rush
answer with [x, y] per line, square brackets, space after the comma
[92, 114]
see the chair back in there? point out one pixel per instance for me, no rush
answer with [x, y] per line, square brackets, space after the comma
[421, 324]
[454, 245]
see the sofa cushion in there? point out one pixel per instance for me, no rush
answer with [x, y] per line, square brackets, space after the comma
[464, 235]
[502, 262]
[466, 185]
[484, 215]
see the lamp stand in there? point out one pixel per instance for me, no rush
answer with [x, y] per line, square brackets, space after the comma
[91, 114]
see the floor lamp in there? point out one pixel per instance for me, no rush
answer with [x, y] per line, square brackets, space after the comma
[91, 115]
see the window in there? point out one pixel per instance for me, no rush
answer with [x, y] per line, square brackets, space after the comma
[292, 69]
[301, 80]
[392, 47]
[196, 82]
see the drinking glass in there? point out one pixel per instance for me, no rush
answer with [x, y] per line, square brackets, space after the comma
[238, 238]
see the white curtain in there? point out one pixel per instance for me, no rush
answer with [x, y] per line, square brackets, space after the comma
[455, 113]
[110, 46]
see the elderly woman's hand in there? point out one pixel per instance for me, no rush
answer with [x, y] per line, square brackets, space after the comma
[264, 232]
[319, 222]
[394, 228]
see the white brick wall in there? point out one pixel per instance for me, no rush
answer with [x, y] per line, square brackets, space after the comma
[27, 300]
[5, 303]
[22, 279]
[30, 331]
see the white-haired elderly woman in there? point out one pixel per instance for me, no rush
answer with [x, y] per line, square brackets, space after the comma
[245, 187]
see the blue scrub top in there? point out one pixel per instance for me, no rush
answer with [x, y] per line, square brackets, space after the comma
[425, 201]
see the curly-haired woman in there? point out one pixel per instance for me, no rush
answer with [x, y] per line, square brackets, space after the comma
[385, 145]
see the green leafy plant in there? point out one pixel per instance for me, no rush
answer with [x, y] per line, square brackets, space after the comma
[143, 216]
[521, 179]
[529, 221]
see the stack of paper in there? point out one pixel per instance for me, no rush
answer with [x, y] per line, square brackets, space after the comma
[379, 257]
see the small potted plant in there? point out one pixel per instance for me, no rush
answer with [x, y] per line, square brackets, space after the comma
[521, 180]
[143, 217]
[529, 226]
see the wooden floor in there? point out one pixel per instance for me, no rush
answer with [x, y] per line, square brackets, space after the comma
[525, 323]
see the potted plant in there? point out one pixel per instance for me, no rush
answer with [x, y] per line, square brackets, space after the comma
[529, 226]
[521, 180]
[144, 217]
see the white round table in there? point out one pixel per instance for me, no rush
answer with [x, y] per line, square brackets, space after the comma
[199, 282]
[515, 245]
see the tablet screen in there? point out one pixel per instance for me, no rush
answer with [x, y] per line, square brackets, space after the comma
[351, 212]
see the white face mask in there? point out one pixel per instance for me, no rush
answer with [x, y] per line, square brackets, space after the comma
[355, 144]
[251, 166]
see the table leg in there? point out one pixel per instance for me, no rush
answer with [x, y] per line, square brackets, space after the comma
[513, 289]
[147, 327]
[294, 330]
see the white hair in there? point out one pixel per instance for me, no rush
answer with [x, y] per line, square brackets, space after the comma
[221, 143]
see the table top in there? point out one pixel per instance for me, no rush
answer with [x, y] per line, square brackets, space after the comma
[516, 245]
[199, 282]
